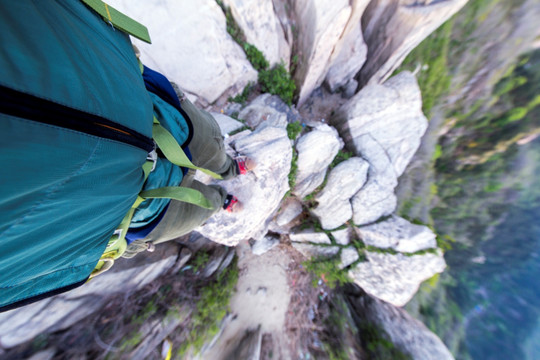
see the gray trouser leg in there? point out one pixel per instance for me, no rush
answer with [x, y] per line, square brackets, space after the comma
[182, 217]
[208, 151]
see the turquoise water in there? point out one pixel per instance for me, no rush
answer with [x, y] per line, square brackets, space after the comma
[498, 288]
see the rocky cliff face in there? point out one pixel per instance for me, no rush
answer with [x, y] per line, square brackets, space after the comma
[329, 41]
[350, 194]
[409, 335]
[392, 28]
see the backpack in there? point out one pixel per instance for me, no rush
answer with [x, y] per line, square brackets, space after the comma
[78, 142]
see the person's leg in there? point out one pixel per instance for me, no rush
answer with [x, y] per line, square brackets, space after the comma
[207, 146]
[181, 217]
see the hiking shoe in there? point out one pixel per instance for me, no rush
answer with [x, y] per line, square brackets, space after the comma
[244, 164]
[232, 204]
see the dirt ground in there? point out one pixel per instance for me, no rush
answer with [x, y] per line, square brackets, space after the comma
[259, 304]
[275, 308]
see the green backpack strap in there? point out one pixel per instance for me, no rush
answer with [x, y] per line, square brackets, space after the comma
[173, 152]
[119, 20]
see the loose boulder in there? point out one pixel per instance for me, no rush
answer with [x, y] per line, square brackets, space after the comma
[348, 256]
[395, 278]
[290, 210]
[399, 234]
[316, 251]
[343, 236]
[316, 150]
[268, 109]
[310, 236]
[334, 206]
[372, 202]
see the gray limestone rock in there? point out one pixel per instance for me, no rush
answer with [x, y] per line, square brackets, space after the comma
[64, 310]
[183, 258]
[226, 123]
[398, 234]
[389, 115]
[315, 251]
[348, 256]
[310, 236]
[384, 124]
[262, 28]
[320, 25]
[217, 257]
[316, 150]
[260, 191]
[47, 354]
[396, 278]
[334, 206]
[204, 60]
[158, 333]
[342, 237]
[406, 23]
[407, 334]
[247, 345]
[290, 210]
[264, 245]
[372, 202]
[267, 108]
[350, 51]
[227, 261]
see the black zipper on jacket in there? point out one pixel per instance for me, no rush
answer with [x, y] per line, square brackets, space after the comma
[16, 103]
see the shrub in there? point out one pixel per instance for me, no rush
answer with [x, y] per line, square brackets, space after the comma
[256, 57]
[341, 156]
[243, 96]
[328, 270]
[212, 306]
[293, 129]
[277, 81]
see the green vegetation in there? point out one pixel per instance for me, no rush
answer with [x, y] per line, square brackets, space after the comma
[256, 57]
[339, 326]
[475, 193]
[211, 308]
[201, 259]
[445, 242]
[292, 172]
[278, 81]
[434, 306]
[341, 156]
[377, 343]
[328, 270]
[431, 59]
[294, 129]
[479, 169]
[243, 96]
[509, 83]
[232, 27]
[199, 303]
